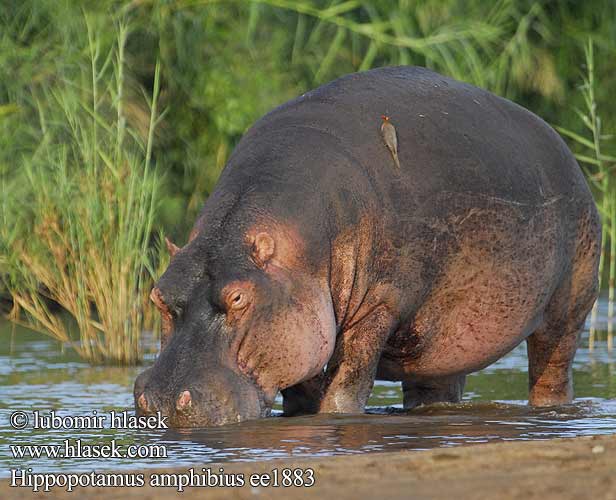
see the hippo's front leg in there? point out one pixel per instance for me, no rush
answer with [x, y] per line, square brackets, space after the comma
[350, 373]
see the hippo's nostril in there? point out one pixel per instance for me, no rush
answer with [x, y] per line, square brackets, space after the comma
[142, 402]
[184, 401]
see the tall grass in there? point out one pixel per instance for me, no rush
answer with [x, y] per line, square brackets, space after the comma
[597, 167]
[78, 141]
[76, 231]
[493, 50]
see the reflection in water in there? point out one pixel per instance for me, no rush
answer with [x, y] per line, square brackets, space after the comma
[36, 375]
[387, 430]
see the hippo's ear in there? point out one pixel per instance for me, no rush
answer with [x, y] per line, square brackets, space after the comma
[263, 248]
[172, 247]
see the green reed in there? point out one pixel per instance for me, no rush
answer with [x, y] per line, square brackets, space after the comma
[597, 166]
[77, 229]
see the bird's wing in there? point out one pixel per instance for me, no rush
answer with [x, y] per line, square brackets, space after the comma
[392, 140]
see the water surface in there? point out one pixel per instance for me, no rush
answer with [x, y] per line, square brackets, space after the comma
[36, 373]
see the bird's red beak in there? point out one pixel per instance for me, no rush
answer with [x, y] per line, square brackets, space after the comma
[384, 118]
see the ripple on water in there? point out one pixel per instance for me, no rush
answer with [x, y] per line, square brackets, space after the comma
[35, 373]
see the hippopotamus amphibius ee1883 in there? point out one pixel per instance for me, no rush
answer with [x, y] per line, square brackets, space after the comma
[318, 266]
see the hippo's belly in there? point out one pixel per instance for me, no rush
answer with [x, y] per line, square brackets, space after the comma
[491, 294]
[467, 338]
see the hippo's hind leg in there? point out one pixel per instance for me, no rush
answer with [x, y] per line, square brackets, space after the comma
[418, 391]
[551, 350]
[552, 347]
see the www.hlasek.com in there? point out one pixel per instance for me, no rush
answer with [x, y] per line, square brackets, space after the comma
[78, 449]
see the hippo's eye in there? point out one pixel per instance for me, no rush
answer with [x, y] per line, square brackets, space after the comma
[237, 300]
[237, 296]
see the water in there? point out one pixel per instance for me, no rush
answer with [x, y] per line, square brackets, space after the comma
[36, 374]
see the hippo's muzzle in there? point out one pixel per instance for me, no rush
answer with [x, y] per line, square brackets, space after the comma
[191, 384]
[222, 398]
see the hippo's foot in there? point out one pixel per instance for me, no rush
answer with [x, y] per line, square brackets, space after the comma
[418, 391]
[550, 356]
[550, 379]
[551, 395]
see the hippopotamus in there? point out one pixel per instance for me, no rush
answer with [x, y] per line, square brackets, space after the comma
[319, 264]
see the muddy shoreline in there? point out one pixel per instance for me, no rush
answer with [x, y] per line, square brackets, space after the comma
[574, 468]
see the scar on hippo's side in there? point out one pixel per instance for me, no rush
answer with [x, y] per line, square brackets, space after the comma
[388, 131]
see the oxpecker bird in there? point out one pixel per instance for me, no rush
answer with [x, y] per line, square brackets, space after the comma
[388, 131]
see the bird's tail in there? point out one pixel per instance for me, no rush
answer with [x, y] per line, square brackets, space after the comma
[396, 160]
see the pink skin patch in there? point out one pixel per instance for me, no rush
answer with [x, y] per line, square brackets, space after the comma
[184, 401]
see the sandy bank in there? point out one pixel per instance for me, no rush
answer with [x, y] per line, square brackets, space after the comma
[558, 469]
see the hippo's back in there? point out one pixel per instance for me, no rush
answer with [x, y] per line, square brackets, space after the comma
[452, 138]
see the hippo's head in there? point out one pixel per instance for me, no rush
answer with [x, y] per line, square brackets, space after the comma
[244, 316]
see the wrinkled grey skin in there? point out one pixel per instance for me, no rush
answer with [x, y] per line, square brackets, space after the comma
[317, 265]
